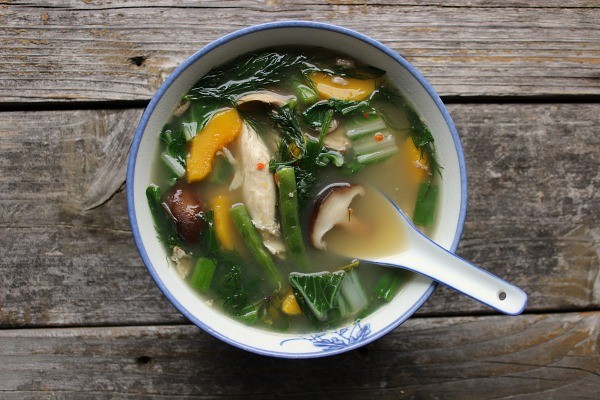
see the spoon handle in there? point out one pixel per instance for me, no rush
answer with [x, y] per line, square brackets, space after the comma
[428, 258]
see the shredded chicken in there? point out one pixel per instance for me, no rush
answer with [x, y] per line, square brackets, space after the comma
[182, 261]
[238, 175]
[258, 187]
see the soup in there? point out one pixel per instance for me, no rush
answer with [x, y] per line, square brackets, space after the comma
[265, 171]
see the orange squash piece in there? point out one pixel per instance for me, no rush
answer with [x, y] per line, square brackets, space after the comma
[221, 130]
[418, 162]
[289, 305]
[224, 227]
[343, 88]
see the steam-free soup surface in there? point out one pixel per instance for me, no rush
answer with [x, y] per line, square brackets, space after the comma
[263, 179]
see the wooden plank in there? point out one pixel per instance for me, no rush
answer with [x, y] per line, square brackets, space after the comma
[68, 256]
[528, 357]
[98, 50]
[534, 208]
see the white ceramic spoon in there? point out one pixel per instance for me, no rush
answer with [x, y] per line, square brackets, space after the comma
[423, 256]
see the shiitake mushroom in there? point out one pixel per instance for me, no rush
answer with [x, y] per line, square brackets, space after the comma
[331, 209]
[186, 209]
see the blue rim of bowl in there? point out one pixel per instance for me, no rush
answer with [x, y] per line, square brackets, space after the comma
[210, 47]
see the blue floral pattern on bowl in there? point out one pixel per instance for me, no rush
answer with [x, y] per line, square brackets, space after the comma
[338, 339]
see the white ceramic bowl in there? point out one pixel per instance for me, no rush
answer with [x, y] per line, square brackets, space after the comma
[145, 148]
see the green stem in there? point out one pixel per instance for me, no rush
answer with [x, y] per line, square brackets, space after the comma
[243, 222]
[424, 214]
[290, 221]
[388, 284]
[203, 274]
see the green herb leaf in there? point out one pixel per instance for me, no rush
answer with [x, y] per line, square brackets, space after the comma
[316, 293]
[315, 114]
[209, 242]
[249, 72]
[288, 126]
[163, 223]
[175, 142]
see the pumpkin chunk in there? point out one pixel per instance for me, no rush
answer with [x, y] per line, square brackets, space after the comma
[343, 88]
[224, 227]
[419, 164]
[221, 130]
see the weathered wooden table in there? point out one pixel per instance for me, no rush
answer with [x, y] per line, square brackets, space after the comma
[81, 318]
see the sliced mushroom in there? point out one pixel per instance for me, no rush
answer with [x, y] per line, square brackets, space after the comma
[331, 209]
[266, 97]
[186, 209]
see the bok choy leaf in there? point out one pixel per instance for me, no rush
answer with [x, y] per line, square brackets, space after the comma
[316, 293]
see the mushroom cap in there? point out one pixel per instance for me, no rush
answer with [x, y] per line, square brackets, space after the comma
[331, 209]
[187, 209]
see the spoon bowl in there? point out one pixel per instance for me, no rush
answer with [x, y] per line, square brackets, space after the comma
[417, 253]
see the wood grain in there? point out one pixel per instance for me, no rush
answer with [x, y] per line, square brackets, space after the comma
[71, 50]
[68, 256]
[526, 357]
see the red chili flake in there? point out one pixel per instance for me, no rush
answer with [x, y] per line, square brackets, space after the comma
[260, 166]
[379, 137]
[366, 114]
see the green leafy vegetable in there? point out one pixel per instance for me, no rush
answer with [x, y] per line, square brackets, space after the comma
[174, 153]
[163, 223]
[247, 73]
[292, 144]
[363, 72]
[315, 114]
[249, 314]
[364, 124]
[230, 288]
[387, 285]
[354, 295]
[209, 243]
[306, 154]
[316, 293]
[424, 214]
